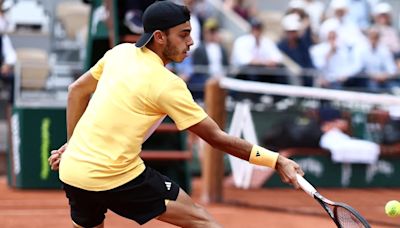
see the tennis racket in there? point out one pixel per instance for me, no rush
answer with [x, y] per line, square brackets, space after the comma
[342, 214]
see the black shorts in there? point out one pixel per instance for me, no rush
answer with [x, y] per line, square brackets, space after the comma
[141, 199]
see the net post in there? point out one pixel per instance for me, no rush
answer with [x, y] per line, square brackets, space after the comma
[213, 164]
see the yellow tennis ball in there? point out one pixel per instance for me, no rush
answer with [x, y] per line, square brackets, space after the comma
[392, 208]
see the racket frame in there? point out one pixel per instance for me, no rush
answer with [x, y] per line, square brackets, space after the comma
[325, 203]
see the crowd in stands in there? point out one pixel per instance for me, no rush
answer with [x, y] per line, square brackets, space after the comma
[342, 44]
[338, 44]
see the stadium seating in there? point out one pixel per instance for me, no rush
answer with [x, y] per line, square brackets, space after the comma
[32, 68]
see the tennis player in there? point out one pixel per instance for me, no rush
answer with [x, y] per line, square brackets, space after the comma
[110, 113]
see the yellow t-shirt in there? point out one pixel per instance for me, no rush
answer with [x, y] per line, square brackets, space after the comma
[134, 92]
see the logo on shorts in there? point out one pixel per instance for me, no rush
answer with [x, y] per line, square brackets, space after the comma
[168, 185]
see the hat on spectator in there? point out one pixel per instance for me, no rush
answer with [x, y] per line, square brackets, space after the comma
[383, 8]
[256, 23]
[296, 4]
[327, 27]
[327, 113]
[339, 4]
[211, 24]
[6, 5]
[161, 15]
[291, 22]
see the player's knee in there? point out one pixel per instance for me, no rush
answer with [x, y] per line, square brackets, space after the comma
[203, 214]
[203, 218]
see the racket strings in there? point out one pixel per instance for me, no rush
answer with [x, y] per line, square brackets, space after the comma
[347, 219]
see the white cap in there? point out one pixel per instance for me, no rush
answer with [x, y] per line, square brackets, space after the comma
[330, 25]
[291, 22]
[382, 7]
[339, 4]
[296, 4]
[6, 5]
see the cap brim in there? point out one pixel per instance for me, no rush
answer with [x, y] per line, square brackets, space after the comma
[144, 39]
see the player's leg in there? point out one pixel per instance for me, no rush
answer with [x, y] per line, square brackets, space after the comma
[87, 208]
[184, 212]
[78, 226]
[152, 195]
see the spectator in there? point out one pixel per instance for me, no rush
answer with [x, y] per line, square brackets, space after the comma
[315, 10]
[8, 56]
[255, 53]
[203, 10]
[329, 130]
[209, 59]
[296, 46]
[377, 63]
[246, 9]
[195, 23]
[297, 7]
[359, 12]
[334, 59]
[340, 144]
[388, 34]
[347, 30]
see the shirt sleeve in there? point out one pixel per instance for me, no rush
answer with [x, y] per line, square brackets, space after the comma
[273, 51]
[97, 69]
[10, 57]
[241, 51]
[388, 61]
[177, 102]
[318, 56]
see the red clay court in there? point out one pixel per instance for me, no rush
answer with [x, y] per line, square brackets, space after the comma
[275, 208]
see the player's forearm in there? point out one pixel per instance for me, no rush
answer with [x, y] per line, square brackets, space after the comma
[245, 150]
[232, 145]
[209, 131]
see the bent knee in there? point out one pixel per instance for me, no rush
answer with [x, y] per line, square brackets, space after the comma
[202, 218]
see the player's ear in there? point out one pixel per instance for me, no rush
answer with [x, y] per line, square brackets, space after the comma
[159, 37]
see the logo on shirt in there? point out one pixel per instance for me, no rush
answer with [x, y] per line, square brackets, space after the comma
[168, 185]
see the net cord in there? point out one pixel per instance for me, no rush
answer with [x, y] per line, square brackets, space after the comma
[307, 92]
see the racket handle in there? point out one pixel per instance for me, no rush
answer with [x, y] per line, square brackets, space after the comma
[306, 186]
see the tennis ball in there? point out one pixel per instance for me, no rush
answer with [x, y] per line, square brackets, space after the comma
[392, 208]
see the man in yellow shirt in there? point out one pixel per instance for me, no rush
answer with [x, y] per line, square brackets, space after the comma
[111, 111]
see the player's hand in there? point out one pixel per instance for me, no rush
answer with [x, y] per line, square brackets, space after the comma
[287, 170]
[55, 157]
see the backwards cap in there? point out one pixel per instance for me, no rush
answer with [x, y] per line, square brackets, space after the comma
[161, 15]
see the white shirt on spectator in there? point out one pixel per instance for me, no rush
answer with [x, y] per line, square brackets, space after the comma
[378, 60]
[340, 65]
[8, 51]
[245, 50]
[390, 37]
[195, 33]
[214, 55]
